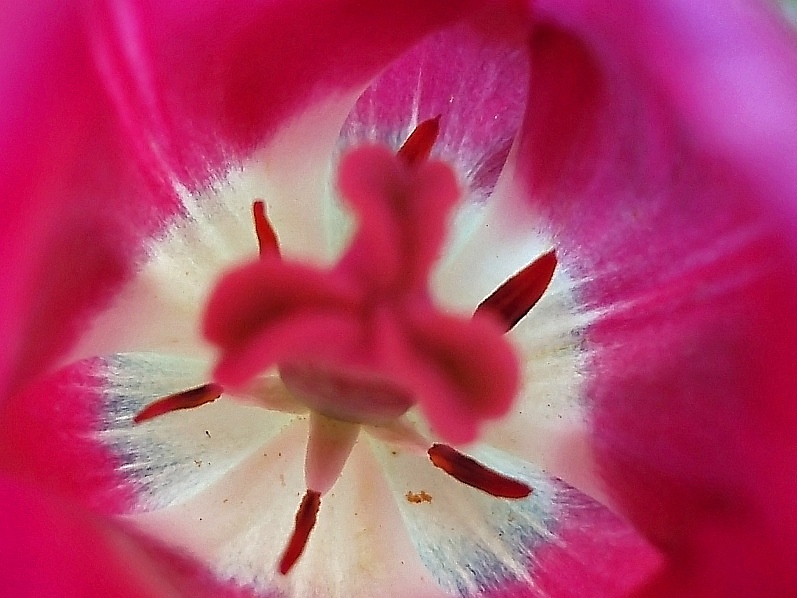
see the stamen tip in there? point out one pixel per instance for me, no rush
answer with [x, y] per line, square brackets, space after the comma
[306, 517]
[472, 473]
[187, 399]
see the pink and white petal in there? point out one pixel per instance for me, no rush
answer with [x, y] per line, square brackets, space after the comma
[94, 453]
[171, 458]
[267, 86]
[473, 78]
[228, 113]
[685, 255]
[238, 527]
[159, 309]
[475, 544]
[229, 77]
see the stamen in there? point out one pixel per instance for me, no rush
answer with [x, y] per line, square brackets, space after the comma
[305, 521]
[513, 299]
[419, 144]
[471, 472]
[187, 399]
[266, 237]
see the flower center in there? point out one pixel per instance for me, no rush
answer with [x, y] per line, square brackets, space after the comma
[362, 343]
[346, 396]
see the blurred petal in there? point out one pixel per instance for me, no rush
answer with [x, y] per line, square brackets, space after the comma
[687, 264]
[217, 81]
[49, 549]
[71, 192]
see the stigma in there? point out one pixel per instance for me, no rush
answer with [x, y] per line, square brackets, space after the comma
[360, 345]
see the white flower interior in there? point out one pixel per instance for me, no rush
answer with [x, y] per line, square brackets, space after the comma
[223, 481]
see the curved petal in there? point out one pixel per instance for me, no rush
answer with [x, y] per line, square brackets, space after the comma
[684, 251]
[473, 79]
[238, 528]
[211, 82]
[70, 188]
[86, 446]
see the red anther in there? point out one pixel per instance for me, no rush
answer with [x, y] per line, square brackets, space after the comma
[187, 399]
[266, 237]
[305, 521]
[513, 299]
[471, 472]
[420, 142]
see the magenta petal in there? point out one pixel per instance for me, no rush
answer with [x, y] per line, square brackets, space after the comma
[221, 77]
[686, 253]
[474, 76]
[596, 554]
[70, 193]
[51, 549]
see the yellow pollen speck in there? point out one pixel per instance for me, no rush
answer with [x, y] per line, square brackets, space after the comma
[418, 498]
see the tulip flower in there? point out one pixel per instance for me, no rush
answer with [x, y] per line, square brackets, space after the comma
[418, 299]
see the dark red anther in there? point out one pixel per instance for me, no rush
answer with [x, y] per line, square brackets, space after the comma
[420, 142]
[469, 471]
[266, 237]
[513, 299]
[305, 521]
[187, 399]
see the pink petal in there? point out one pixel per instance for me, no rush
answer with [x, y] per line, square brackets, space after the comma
[686, 256]
[596, 554]
[220, 78]
[189, 85]
[50, 549]
[71, 195]
[473, 77]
